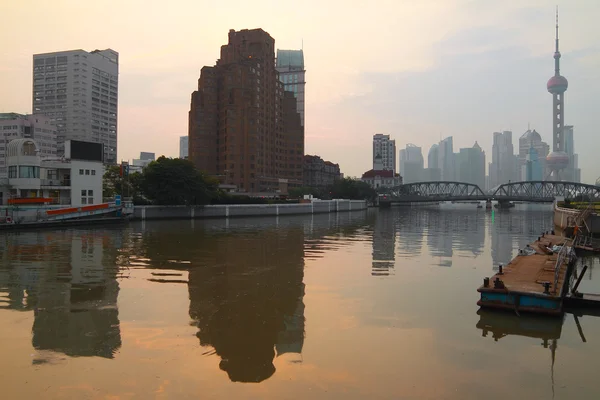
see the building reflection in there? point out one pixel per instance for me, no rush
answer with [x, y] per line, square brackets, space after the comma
[249, 301]
[384, 243]
[69, 280]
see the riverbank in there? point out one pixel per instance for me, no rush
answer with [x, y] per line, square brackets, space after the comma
[564, 218]
[245, 210]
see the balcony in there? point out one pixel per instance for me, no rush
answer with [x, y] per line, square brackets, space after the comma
[55, 182]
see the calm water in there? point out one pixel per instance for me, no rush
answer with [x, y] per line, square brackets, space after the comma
[374, 304]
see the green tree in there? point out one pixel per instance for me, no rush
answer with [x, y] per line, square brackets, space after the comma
[353, 189]
[175, 181]
[113, 184]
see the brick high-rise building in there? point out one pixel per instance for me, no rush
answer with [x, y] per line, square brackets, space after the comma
[243, 128]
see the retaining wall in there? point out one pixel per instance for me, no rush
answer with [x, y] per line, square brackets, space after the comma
[564, 218]
[245, 210]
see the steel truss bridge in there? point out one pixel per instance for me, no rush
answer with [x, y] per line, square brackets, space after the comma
[532, 191]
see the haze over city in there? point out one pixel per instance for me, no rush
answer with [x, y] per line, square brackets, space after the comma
[419, 71]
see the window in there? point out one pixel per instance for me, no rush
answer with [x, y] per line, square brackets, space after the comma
[90, 193]
[80, 172]
[93, 172]
[12, 171]
[29, 172]
[84, 200]
[87, 171]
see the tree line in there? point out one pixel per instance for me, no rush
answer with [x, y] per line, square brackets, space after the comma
[176, 181]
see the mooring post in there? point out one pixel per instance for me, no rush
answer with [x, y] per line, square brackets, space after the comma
[500, 270]
[486, 282]
[579, 279]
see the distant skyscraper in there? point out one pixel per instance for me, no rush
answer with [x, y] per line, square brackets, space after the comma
[386, 149]
[290, 64]
[446, 159]
[503, 168]
[572, 173]
[529, 139]
[558, 160]
[433, 173]
[79, 91]
[470, 165]
[411, 164]
[534, 166]
[244, 129]
[183, 147]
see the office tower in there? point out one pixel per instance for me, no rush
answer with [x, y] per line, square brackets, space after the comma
[532, 139]
[558, 160]
[244, 128]
[79, 91]
[433, 173]
[572, 172]
[470, 164]
[534, 170]
[26, 126]
[503, 168]
[290, 64]
[411, 164]
[446, 159]
[183, 147]
[384, 147]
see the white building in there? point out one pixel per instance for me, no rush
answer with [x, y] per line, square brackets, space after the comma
[378, 177]
[75, 179]
[183, 147]
[384, 147]
[21, 126]
[446, 159]
[290, 64]
[79, 91]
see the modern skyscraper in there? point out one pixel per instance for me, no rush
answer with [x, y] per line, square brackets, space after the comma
[433, 173]
[411, 164]
[446, 159]
[243, 127]
[558, 160]
[385, 148]
[20, 126]
[183, 147]
[572, 172]
[529, 139]
[533, 166]
[290, 64]
[470, 165]
[503, 168]
[79, 91]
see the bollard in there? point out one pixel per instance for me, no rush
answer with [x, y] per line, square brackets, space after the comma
[552, 231]
[486, 282]
[546, 287]
[500, 270]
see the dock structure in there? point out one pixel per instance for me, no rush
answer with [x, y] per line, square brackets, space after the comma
[535, 281]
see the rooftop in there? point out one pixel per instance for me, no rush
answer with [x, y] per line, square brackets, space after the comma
[290, 58]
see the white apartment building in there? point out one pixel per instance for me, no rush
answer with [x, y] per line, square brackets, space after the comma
[290, 64]
[22, 126]
[183, 147]
[73, 179]
[79, 91]
[386, 149]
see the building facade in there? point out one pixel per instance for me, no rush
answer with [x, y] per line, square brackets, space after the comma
[244, 128]
[446, 162]
[73, 179]
[528, 140]
[385, 148]
[411, 164]
[290, 65]
[319, 173]
[79, 91]
[379, 177]
[571, 173]
[22, 126]
[183, 147]
[470, 165]
[504, 165]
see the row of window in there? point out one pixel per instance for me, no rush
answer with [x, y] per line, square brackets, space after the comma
[87, 172]
[30, 172]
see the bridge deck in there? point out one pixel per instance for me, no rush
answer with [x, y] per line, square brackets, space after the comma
[523, 280]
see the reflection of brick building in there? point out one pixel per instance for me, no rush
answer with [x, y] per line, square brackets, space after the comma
[243, 128]
[320, 173]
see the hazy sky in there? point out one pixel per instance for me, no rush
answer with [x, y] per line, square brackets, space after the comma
[416, 69]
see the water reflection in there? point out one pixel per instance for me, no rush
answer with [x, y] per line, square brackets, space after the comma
[69, 280]
[384, 242]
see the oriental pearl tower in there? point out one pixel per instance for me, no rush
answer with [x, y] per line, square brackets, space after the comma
[557, 86]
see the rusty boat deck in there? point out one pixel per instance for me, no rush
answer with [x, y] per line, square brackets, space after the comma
[527, 283]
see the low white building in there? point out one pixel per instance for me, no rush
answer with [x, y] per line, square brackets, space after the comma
[378, 177]
[75, 179]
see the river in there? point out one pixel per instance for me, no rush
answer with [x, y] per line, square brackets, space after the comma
[377, 304]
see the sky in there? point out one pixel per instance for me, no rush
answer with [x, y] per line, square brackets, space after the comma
[419, 70]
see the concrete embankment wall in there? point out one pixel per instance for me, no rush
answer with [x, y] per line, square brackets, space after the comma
[565, 218]
[245, 210]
